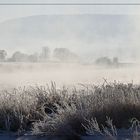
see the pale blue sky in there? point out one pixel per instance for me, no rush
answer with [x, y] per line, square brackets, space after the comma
[8, 12]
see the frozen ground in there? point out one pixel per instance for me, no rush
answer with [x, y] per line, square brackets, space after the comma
[122, 135]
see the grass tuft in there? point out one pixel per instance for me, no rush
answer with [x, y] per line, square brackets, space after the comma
[47, 110]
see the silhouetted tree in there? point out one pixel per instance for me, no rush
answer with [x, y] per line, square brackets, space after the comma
[33, 58]
[103, 61]
[115, 60]
[45, 55]
[64, 54]
[19, 57]
[3, 55]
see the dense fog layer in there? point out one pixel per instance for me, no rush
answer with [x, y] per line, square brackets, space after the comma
[69, 49]
[23, 74]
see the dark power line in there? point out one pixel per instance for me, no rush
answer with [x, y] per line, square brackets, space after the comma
[61, 4]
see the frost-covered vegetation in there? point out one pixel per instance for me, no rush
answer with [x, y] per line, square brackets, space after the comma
[74, 111]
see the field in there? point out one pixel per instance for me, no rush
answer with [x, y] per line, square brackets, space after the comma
[23, 74]
[84, 100]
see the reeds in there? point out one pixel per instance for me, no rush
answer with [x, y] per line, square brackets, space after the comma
[48, 110]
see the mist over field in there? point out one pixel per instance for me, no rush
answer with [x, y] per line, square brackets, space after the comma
[71, 75]
[22, 74]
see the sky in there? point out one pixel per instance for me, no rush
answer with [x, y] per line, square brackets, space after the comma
[10, 11]
[15, 11]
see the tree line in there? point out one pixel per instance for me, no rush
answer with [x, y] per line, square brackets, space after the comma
[59, 54]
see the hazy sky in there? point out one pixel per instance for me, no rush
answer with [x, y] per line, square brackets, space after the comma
[15, 11]
[7, 12]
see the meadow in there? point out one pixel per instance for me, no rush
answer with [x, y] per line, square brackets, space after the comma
[87, 100]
